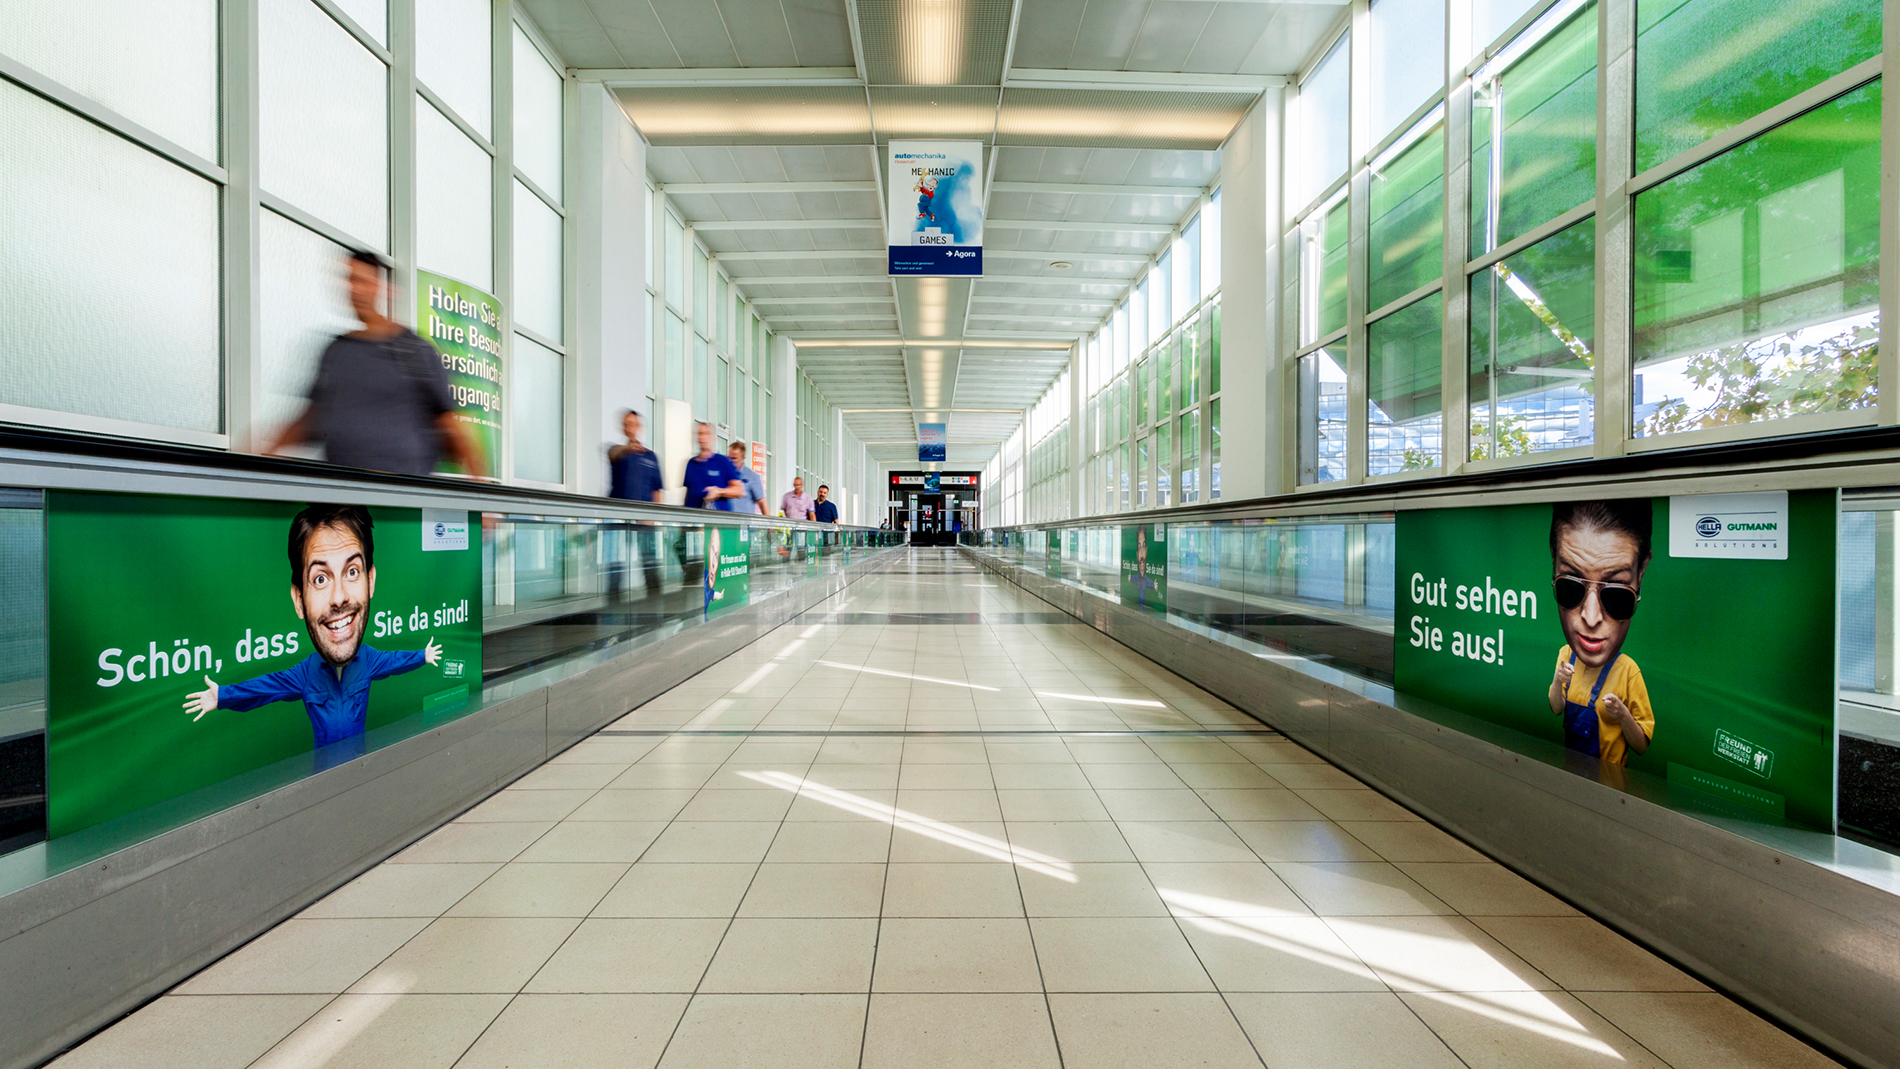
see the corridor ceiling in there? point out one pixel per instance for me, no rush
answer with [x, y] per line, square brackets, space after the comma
[1102, 119]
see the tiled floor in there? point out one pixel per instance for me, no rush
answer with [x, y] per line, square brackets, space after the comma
[941, 844]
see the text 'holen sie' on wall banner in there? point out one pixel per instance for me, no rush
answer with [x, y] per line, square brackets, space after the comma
[465, 326]
[933, 443]
[936, 208]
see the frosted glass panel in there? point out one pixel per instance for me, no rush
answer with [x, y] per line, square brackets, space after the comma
[155, 64]
[324, 109]
[304, 304]
[1322, 131]
[535, 382]
[453, 57]
[371, 15]
[537, 265]
[1408, 63]
[538, 117]
[1490, 18]
[109, 267]
[455, 224]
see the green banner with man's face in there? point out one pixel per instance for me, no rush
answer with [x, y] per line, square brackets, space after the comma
[465, 326]
[1144, 581]
[196, 639]
[1688, 637]
[728, 575]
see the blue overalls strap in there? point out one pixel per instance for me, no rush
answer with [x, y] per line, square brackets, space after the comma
[1580, 721]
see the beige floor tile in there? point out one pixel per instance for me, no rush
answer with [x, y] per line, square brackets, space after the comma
[594, 840]
[1224, 889]
[305, 956]
[691, 751]
[1072, 841]
[1410, 840]
[1309, 776]
[1124, 776]
[639, 805]
[1139, 1031]
[715, 805]
[1195, 751]
[1066, 776]
[945, 777]
[1581, 955]
[570, 776]
[862, 751]
[955, 806]
[1028, 751]
[463, 843]
[1025, 805]
[402, 891]
[1115, 889]
[1113, 751]
[631, 956]
[829, 802]
[1184, 840]
[1258, 804]
[959, 1031]
[1436, 954]
[945, 751]
[663, 776]
[956, 955]
[1116, 954]
[1359, 804]
[1512, 1029]
[863, 776]
[769, 1032]
[1225, 777]
[469, 955]
[1358, 889]
[512, 806]
[606, 750]
[374, 1031]
[521, 889]
[1339, 1030]
[761, 955]
[796, 889]
[195, 1032]
[948, 842]
[1303, 840]
[1485, 890]
[777, 751]
[1703, 1031]
[578, 1032]
[651, 889]
[952, 890]
[713, 841]
[1277, 954]
[832, 841]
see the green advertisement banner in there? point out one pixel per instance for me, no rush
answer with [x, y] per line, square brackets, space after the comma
[154, 601]
[1145, 566]
[464, 325]
[1691, 638]
[728, 567]
[1052, 561]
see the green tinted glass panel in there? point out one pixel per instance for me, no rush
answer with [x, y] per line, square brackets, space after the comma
[1213, 448]
[1756, 290]
[1404, 354]
[1190, 385]
[1704, 65]
[1141, 392]
[1332, 270]
[1164, 463]
[1539, 119]
[1532, 346]
[1167, 357]
[1212, 322]
[1406, 240]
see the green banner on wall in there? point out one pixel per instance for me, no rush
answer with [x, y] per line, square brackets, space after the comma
[1052, 561]
[153, 599]
[464, 325]
[728, 572]
[1724, 653]
[1145, 566]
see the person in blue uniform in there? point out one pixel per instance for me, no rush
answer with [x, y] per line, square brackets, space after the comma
[332, 578]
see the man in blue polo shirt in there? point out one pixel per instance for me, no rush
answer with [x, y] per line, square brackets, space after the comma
[712, 480]
[332, 577]
[826, 510]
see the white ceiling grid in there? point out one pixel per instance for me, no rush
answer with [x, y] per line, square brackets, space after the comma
[1103, 120]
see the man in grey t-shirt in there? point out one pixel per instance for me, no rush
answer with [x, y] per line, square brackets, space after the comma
[381, 399]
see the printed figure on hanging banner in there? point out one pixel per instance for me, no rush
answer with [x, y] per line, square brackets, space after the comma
[936, 208]
[1145, 566]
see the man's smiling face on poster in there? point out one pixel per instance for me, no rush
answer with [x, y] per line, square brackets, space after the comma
[333, 591]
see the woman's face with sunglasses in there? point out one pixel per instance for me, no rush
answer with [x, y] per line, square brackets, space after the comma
[1596, 584]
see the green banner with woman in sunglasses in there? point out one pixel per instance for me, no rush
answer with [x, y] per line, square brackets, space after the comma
[1688, 638]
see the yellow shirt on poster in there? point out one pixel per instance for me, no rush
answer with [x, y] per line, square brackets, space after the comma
[1626, 682]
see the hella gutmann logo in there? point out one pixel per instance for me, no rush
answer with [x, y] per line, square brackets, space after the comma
[441, 529]
[1707, 527]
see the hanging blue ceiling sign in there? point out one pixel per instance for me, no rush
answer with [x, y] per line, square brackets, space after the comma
[933, 443]
[936, 208]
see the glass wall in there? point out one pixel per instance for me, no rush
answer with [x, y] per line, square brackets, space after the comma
[1744, 213]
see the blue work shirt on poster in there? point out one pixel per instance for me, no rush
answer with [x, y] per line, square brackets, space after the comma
[338, 704]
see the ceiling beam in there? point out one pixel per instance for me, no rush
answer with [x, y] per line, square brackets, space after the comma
[805, 280]
[785, 224]
[1086, 189]
[868, 339]
[803, 254]
[685, 188]
[876, 299]
[1051, 280]
[1087, 225]
[698, 77]
[1141, 81]
[1043, 302]
[1048, 256]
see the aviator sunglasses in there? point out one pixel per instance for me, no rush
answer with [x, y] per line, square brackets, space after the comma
[1618, 601]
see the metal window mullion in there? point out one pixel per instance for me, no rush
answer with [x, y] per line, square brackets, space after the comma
[1616, 109]
[1887, 382]
[242, 304]
[454, 117]
[501, 197]
[1358, 393]
[1454, 379]
[34, 82]
[402, 151]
